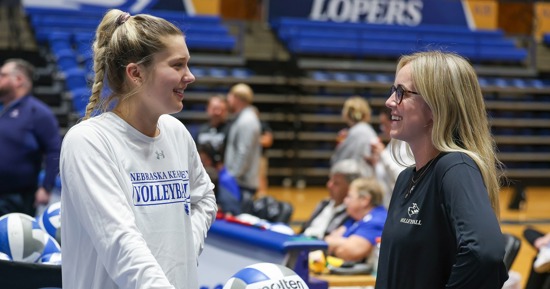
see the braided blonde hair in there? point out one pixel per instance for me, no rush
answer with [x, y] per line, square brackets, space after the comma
[122, 39]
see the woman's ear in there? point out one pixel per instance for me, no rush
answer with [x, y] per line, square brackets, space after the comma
[134, 73]
[430, 117]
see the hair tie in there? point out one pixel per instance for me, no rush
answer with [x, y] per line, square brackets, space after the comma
[122, 18]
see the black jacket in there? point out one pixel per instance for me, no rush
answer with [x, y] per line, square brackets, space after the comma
[445, 234]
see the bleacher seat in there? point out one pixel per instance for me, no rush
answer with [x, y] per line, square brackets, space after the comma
[59, 40]
[361, 77]
[210, 43]
[65, 58]
[203, 32]
[219, 72]
[75, 78]
[319, 76]
[324, 47]
[241, 73]
[80, 97]
[308, 37]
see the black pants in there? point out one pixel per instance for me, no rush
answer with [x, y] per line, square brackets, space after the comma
[536, 280]
[247, 199]
[17, 203]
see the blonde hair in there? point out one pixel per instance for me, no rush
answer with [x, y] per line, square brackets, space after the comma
[369, 187]
[122, 39]
[356, 109]
[450, 87]
[243, 92]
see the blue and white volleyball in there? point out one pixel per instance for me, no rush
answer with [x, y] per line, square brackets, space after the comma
[51, 259]
[21, 238]
[50, 245]
[4, 257]
[265, 276]
[50, 221]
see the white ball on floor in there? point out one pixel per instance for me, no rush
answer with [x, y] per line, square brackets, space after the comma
[50, 221]
[265, 275]
[21, 238]
[50, 245]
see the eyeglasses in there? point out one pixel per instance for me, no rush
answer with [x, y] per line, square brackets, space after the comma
[399, 92]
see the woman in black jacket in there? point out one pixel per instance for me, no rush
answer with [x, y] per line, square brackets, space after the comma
[442, 229]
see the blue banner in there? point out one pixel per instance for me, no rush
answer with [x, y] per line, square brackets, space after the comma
[389, 12]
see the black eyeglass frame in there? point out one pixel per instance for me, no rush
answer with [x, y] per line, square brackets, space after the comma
[400, 91]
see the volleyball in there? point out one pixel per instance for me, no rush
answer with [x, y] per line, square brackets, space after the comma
[4, 257]
[50, 245]
[21, 238]
[50, 221]
[51, 259]
[265, 276]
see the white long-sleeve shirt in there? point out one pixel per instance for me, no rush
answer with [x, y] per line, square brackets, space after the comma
[387, 170]
[135, 209]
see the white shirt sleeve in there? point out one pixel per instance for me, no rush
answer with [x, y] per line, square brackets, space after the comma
[391, 167]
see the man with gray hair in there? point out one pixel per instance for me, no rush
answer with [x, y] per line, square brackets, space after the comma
[330, 213]
[29, 138]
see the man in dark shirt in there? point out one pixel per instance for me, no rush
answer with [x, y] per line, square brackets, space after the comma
[29, 138]
[214, 131]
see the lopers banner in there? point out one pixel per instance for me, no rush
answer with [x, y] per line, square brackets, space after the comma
[389, 12]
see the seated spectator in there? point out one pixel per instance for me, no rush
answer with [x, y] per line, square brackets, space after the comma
[330, 213]
[539, 278]
[354, 240]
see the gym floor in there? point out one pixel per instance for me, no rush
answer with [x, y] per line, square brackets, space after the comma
[535, 212]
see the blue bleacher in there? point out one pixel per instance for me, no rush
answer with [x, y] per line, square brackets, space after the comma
[324, 47]
[80, 97]
[75, 78]
[203, 32]
[308, 37]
